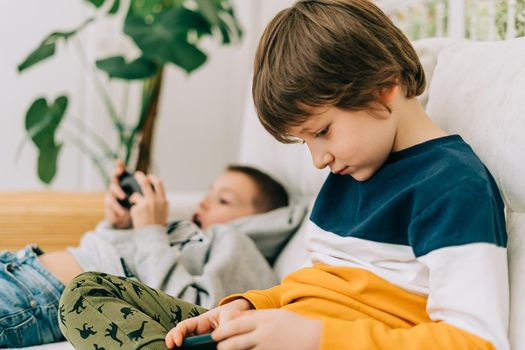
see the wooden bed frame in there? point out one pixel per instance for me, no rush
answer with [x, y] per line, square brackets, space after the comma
[53, 220]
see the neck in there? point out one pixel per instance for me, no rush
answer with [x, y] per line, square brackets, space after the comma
[414, 126]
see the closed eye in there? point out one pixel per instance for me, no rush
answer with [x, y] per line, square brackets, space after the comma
[322, 132]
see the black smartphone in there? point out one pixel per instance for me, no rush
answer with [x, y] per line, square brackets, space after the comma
[199, 342]
[129, 185]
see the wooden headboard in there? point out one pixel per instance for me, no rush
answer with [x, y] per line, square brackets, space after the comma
[53, 220]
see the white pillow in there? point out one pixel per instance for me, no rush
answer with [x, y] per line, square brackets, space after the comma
[295, 255]
[516, 249]
[478, 91]
[428, 50]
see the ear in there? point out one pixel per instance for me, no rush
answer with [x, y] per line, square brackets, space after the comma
[389, 94]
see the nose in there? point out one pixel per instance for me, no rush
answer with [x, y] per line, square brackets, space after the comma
[204, 203]
[321, 158]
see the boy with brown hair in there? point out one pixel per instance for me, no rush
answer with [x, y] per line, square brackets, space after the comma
[407, 235]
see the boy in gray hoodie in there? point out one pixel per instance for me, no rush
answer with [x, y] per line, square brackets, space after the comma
[228, 246]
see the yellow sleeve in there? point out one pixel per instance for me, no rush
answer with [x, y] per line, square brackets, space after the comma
[260, 299]
[370, 334]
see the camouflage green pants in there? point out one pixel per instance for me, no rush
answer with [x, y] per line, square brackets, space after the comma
[101, 311]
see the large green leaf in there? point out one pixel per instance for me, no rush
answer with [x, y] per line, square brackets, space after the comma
[45, 50]
[210, 10]
[47, 47]
[166, 39]
[184, 20]
[221, 16]
[41, 123]
[47, 163]
[42, 119]
[167, 24]
[97, 3]
[117, 67]
[114, 9]
[141, 8]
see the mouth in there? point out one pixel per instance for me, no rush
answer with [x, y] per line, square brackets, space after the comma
[341, 171]
[196, 220]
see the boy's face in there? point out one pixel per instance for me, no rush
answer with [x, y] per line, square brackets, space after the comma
[353, 143]
[231, 196]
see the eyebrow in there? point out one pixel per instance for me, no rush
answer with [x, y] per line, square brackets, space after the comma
[229, 190]
[305, 130]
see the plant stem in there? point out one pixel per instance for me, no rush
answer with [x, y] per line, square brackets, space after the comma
[103, 94]
[109, 153]
[146, 124]
[122, 149]
[97, 161]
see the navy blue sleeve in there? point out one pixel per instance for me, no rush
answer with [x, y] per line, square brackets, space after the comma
[469, 212]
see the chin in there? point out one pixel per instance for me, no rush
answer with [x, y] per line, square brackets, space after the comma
[363, 175]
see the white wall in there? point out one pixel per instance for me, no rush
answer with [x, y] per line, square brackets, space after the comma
[199, 117]
[22, 25]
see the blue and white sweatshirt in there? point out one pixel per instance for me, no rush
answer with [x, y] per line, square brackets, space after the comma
[413, 258]
[431, 221]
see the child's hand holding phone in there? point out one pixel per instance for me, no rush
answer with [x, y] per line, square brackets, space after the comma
[150, 205]
[206, 322]
[117, 214]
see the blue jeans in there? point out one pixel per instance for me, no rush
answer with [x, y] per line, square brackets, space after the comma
[29, 296]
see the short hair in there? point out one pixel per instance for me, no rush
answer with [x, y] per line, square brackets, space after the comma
[337, 53]
[272, 194]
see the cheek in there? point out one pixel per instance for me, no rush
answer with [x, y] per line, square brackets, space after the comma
[348, 149]
[235, 213]
[220, 215]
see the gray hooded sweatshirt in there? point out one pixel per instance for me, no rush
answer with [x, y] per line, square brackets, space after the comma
[199, 266]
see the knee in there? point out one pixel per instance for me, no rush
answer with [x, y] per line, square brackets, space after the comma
[88, 284]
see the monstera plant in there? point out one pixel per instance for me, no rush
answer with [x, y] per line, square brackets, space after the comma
[165, 32]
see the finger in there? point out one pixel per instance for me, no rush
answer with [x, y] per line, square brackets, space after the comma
[144, 183]
[115, 190]
[240, 325]
[157, 185]
[239, 342]
[119, 169]
[184, 328]
[135, 198]
[119, 165]
[169, 339]
[115, 206]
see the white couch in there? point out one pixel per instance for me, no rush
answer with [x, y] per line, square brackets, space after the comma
[477, 90]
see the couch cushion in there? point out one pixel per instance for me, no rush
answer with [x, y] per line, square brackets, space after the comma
[478, 91]
[516, 229]
[295, 254]
[428, 51]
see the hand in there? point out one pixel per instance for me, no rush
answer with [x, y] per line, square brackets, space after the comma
[269, 329]
[117, 215]
[206, 322]
[151, 208]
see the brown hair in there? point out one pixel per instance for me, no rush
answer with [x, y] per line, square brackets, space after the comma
[338, 53]
[272, 194]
